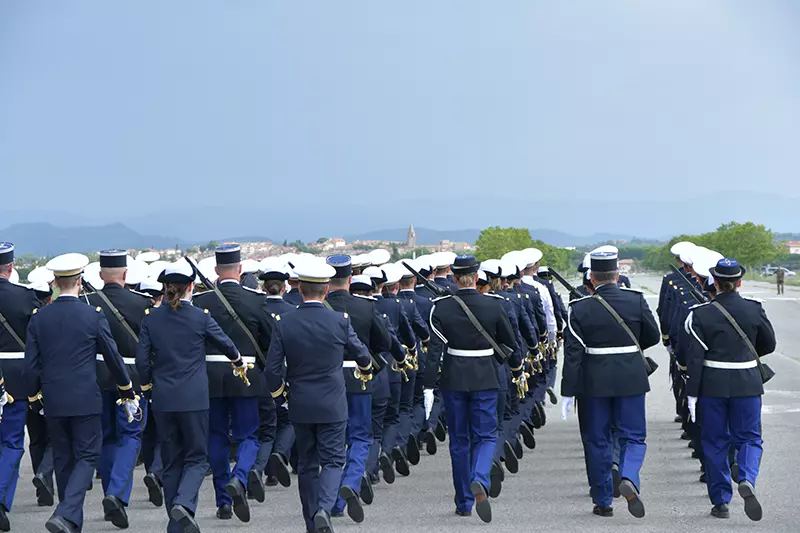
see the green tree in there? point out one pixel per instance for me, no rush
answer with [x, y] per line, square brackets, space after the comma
[322, 240]
[495, 241]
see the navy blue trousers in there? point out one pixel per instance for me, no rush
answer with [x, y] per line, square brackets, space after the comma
[12, 440]
[378, 414]
[235, 418]
[407, 391]
[151, 447]
[122, 442]
[358, 437]
[472, 426]
[627, 415]
[391, 420]
[726, 420]
[320, 459]
[77, 441]
[502, 398]
[184, 454]
[267, 431]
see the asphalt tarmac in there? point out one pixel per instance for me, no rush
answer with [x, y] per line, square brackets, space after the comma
[550, 493]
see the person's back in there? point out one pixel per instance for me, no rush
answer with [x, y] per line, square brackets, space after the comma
[177, 357]
[67, 354]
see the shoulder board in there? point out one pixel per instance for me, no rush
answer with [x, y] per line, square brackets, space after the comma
[205, 311]
[579, 300]
[695, 306]
[98, 308]
[346, 315]
[370, 298]
[441, 298]
[147, 311]
[495, 296]
[140, 294]
[757, 300]
[35, 310]
[257, 291]
[631, 290]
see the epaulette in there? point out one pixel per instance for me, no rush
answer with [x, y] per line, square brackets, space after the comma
[631, 290]
[442, 298]
[147, 311]
[576, 300]
[257, 291]
[757, 300]
[98, 308]
[366, 297]
[494, 296]
[205, 311]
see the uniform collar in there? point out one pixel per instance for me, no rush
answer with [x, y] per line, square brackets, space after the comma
[606, 287]
[227, 281]
[312, 302]
[274, 297]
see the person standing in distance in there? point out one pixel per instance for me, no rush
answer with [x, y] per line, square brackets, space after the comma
[63, 341]
[604, 364]
[724, 386]
[469, 383]
[171, 360]
[310, 346]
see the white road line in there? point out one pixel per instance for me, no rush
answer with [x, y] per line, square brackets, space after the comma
[780, 409]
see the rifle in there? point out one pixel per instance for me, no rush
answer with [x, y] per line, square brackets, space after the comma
[572, 290]
[114, 311]
[698, 296]
[261, 358]
[431, 286]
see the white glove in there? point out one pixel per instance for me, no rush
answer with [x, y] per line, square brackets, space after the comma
[3, 400]
[567, 403]
[692, 401]
[428, 394]
[131, 409]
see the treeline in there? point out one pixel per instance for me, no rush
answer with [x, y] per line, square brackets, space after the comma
[495, 241]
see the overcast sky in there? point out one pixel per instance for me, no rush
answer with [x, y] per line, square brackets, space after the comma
[368, 102]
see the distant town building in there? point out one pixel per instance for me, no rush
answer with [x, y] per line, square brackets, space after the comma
[793, 246]
[411, 241]
[625, 266]
[338, 242]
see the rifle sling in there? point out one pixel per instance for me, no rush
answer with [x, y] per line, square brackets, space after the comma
[622, 323]
[117, 315]
[235, 316]
[376, 365]
[741, 333]
[500, 354]
[11, 331]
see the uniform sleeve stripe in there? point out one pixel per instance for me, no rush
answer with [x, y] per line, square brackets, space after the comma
[438, 333]
[571, 329]
[689, 326]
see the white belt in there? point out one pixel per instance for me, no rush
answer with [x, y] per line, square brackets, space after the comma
[349, 364]
[612, 350]
[730, 366]
[126, 360]
[12, 355]
[224, 359]
[470, 353]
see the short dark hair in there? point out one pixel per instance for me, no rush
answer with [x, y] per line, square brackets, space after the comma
[605, 277]
[273, 287]
[339, 283]
[360, 292]
[312, 290]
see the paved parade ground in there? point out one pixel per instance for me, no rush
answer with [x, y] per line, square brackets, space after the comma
[550, 493]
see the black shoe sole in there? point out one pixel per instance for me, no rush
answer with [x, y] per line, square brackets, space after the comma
[322, 524]
[512, 463]
[255, 487]
[635, 504]
[240, 506]
[517, 446]
[354, 509]
[719, 514]
[400, 462]
[604, 514]
[482, 505]
[115, 513]
[44, 494]
[184, 519]
[386, 468]
[527, 436]
[56, 527]
[367, 494]
[154, 492]
[5, 524]
[440, 432]
[412, 450]
[430, 443]
[752, 507]
[280, 470]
